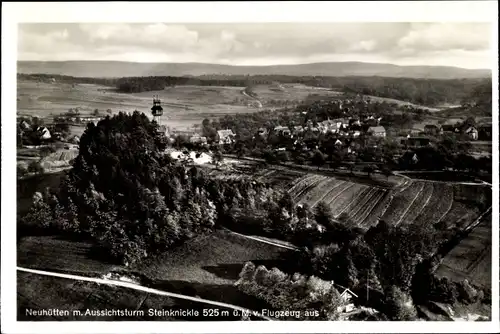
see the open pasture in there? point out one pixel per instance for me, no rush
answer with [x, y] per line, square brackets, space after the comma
[289, 92]
[184, 106]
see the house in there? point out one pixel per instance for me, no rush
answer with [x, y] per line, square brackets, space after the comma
[282, 130]
[377, 131]
[225, 136]
[44, 132]
[432, 129]
[347, 297]
[472, 133]
[24, 125]
[338, 142]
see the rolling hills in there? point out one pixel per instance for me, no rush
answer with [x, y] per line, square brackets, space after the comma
[115, 69]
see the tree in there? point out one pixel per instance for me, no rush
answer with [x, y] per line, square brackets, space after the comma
[318, 159]
[323, 214]
[386, 170]
[368, 170]
[35, 167]
[399, 306]
[109, 111]
[96, 112]
[217, 158]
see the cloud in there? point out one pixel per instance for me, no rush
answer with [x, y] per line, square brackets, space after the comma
[421, 43]
[446, 36]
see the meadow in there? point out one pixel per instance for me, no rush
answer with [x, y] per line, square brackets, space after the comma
[184, 106]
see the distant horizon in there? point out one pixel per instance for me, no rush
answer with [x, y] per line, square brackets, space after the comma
[252, 65]
[465, 45]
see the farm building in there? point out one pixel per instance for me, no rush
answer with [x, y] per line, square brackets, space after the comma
[225, 136]
[472, 133]
[377, 131]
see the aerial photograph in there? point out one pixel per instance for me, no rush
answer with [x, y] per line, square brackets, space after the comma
[254, 171]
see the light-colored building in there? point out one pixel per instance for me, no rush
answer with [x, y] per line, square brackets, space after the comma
[225, 136]
[347, 297]
[472, 133]
[377, 131]
[44, 132]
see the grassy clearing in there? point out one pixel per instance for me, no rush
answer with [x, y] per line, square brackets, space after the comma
[53, 253]
[184, 105]
[216, 258]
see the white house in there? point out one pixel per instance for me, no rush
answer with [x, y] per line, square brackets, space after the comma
[44, 132]
[472, 133]
[225, 136]
[346, 296]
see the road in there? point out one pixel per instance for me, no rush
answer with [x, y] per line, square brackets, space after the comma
[277, 244]
[138, 287]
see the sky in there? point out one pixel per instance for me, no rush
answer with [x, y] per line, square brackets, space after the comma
[466, 45]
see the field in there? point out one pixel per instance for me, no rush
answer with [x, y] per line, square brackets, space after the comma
[471, 258]
[417, 202]
[184, 106]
